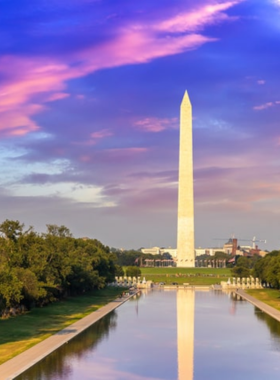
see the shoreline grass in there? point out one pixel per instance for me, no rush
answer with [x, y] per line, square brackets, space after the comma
[19, 333]
[270, 297]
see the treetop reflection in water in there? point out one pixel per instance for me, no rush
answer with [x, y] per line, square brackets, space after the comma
[58, 364]
[161, 335]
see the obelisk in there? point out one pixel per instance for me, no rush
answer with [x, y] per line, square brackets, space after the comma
[185, 227]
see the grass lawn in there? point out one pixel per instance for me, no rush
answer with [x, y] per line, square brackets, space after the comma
[269, 296]
[22, 332]
[193, 276]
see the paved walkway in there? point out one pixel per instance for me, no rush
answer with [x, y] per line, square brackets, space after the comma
[20, 363]
[261, 305]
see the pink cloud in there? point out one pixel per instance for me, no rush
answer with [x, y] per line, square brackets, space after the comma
[153, 124]
[95, 137]
[135, 46]
[27, 78]
[17, 121]
[33, 76]
[34, 81]
[127, 151]
[101, 134]
[261, 81]
[85, 158]
[266, 105]
[198, 19]
[57, 96]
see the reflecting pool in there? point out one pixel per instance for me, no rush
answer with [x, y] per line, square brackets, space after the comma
[177, 334]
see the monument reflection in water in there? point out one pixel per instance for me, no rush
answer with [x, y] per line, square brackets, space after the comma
[185, 333]
[169, 335]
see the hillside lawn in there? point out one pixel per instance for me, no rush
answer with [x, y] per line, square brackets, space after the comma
[19, 333]
[192, 276]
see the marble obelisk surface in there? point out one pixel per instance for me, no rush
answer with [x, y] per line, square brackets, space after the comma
[185, 333]
[185, 227]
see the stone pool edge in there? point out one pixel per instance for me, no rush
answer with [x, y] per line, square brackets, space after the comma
[274, 313]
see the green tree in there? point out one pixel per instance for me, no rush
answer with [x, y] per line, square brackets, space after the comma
[239, 271]
[31, 290]
[128, 258]
[242, 267]
[119, 270]
[41, 268]
[268, 269]
[220, 255]
[60, 231]
[166, 256]
[10, 289]
[11, 229]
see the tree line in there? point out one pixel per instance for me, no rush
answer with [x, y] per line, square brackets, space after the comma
[266, 268]
[132, 257]
[36, 269]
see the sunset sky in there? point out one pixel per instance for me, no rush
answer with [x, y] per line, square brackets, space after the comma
[90, 92]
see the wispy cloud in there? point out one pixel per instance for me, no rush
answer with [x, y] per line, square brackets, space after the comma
[276, 2]
[153, 124]
[26, 79]
[229, 194]
[113, 156]
[94, 138]
[135, 46]
[266, 105]
[101, 134]
[18, 121]
[197, 19]
[126, 151]
[57, 96]
[31, 81]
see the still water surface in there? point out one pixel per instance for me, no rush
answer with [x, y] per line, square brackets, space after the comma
[182, 335]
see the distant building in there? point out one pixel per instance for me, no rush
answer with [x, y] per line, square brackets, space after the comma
[151, 251]
[171, 251]
[249, 252]
[230, 247]
[159, 251]
[207, 251]
[200, 251]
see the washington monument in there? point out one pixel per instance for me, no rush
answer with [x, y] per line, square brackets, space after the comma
[185, 228]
